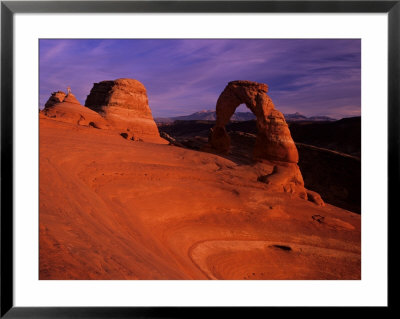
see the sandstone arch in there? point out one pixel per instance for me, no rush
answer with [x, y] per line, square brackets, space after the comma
[274, 141]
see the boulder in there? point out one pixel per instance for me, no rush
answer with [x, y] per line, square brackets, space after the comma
[124, 104]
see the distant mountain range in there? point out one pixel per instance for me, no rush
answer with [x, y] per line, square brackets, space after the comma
[299, 117]
[209, 115]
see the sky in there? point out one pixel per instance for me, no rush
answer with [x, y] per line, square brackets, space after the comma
[311, 76]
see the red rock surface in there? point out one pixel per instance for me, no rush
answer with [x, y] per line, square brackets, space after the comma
[70, 98]
[55, 98]
[274, 142]
[124, 104]
[114, 209]
[71, 111]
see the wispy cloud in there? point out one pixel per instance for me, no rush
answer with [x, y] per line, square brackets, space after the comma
[314, 77]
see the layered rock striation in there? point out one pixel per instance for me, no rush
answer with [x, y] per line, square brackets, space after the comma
[274, 142]
[124, 104]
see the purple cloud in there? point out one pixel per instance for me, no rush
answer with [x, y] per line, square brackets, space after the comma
[313, 77]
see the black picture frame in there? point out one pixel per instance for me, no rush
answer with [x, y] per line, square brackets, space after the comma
[9, 8]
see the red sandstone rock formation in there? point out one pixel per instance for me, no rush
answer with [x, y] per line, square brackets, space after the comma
[124, 103]
[274, 142]
[111, 211]
[70, 98]
[56, 97]
[69, 110]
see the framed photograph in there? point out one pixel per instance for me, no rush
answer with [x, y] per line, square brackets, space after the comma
[182, 158]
